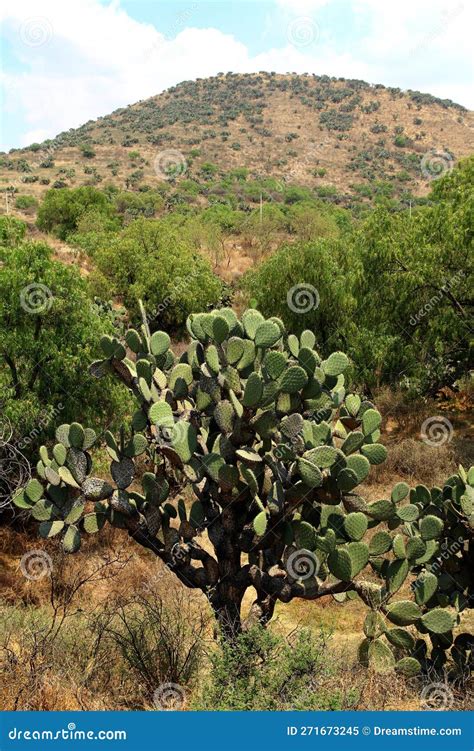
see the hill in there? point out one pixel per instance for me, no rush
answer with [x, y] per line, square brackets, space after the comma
[341, 138]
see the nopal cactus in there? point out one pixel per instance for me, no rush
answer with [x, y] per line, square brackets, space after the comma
[273, 448]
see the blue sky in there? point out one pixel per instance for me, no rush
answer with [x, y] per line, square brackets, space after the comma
[68, 61]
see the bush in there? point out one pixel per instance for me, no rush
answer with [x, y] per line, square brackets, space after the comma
[12, 231]
[263, 671]
[61, 208]
[26, 202]
[151, 261]
[308, 285]
[49, 327]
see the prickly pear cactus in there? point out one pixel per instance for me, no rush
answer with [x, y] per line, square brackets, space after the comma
[428, 552]
[273, 448]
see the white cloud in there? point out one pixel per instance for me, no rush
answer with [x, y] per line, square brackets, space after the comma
[81, 59]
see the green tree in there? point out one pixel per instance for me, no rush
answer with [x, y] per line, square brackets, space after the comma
[151, 261]
[49, 328]
[62, 208]
[308, 285]
[414, 296]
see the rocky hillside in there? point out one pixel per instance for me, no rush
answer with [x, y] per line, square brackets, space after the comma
[337, 136]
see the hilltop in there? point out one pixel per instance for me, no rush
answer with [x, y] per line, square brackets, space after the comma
[338, 137]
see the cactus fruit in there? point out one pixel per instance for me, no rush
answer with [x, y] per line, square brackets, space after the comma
[273, 450]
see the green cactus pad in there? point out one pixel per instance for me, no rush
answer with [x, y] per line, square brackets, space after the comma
[408, 666]
[310, 473]
[371, 420]
[133, 340]
[67, 477]
[340, 564]
[235, 349]
[293, 379]
[159, 343]
[267, 335]
[50, 529]
[399, 547]
[408, 513]
[212, 358]
[360, 465]
[196, 514]
[260, 523]
[355, 525]
[424, 587]
[403, 612]
[380, 543]
[381, 510]
[224, 416]
[352, 402]
[34, 490]
[397, 572]
[400, 491]
[96, 489]
[431, 527]
[94, 522]
[307, 339]
[336, 363]
[161, 414]
[251, 320]
[72, 540]
[304, 535]
[76, 435]
[375, 452]
[75, 512]
[381, 658]
[220, 329]
[400, 638]
[374, 624]
[416, 547]
[322, 456]
[253, 391]
[274, 363]
[293, 345]
[347, 480]
[183, 371]
[62, 435]
[353, 442]
[438, 621]
[359, 555]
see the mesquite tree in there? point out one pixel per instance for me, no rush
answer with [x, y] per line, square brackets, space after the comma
[261, 432]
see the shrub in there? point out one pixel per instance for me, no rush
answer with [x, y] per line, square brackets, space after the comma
[49, 326]
[26, 202]
[87, 152]
[151, 261]
[263, 671]
[61, 209]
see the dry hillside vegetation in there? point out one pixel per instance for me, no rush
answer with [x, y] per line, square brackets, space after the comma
[333, 135]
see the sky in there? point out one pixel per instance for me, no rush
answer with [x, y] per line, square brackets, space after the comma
[65, 62]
